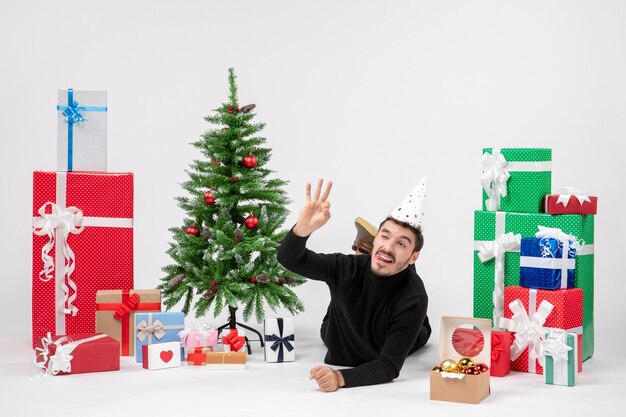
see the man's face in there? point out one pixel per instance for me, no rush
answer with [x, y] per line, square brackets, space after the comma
[393, 250]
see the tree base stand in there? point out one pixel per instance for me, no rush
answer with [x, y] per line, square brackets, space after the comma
[233, 323]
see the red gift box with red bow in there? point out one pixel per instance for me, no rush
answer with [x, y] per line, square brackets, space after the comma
[500, 352]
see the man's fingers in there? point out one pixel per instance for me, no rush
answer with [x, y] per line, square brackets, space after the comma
[313, 371]
[318, 372]
[318, 189]
[326, 379]
[329, 186]
[308, 191]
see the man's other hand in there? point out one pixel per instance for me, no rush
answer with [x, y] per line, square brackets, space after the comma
[316, 210]
[328, 379]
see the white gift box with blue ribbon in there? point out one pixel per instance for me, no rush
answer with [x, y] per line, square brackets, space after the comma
[548, 261]
[279, 340]
[81, 130]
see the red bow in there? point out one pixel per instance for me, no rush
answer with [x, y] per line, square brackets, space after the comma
[496, 347]
[126, 306]
[196, 356]
[235, 341]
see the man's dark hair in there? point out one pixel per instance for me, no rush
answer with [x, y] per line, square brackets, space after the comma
[417, 231]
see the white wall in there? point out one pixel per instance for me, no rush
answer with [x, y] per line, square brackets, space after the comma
[371, 94]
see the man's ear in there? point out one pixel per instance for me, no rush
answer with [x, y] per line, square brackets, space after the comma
[414, 257]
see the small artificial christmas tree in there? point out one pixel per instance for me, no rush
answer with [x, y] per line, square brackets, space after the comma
[225, 253]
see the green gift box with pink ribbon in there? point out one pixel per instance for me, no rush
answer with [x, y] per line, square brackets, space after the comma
[497, 260]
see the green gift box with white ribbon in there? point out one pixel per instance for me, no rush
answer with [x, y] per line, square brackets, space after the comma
[516, 179]
[496, 242]
[560, 358]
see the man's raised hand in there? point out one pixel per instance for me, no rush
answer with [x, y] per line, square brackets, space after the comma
[316, 210]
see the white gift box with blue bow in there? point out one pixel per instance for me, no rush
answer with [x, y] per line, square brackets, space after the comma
[279, 340]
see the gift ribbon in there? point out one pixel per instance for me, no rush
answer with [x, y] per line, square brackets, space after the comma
[496, 249]
[124, 314]
[201, 332]
[528, 328]
[560, 358]
[57, 226]
[565, 243]
[71, 220]
[197, 356]
[233, 339]
[278, 341]
[497, 348]
[147, 330]
[224, 355]
[61, 360]
[156, 328]
[74, 114]
[566, 193]
[494, 178]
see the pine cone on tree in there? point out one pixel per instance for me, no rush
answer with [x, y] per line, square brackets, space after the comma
[211, 292]
[262, 279]
[176, 280]
[289, 279]
[206, 232]
[238, 235]
[247, 108]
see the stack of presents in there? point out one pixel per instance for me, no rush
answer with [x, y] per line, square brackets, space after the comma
[533, 278]
[85, 311]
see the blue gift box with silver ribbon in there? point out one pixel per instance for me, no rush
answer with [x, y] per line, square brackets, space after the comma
[81, 130]
[152, 328]
[546, 263]
[279, 340]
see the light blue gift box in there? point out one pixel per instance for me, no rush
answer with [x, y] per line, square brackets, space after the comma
[152, 328]
[82, 130]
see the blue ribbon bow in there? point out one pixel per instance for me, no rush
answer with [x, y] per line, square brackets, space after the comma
[279, 341]
[74, 113]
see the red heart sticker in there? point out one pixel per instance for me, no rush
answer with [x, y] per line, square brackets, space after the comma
[167, 355]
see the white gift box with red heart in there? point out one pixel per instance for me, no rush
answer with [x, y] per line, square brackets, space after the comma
[161, 355]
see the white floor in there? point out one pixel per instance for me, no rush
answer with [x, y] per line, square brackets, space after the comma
[285, 390]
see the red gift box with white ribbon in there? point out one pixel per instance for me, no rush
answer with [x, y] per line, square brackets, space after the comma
[530, 313]
[82, 243]
[570, 201]
[77, 354]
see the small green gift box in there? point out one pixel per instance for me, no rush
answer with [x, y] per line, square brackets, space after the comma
[516, 179]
